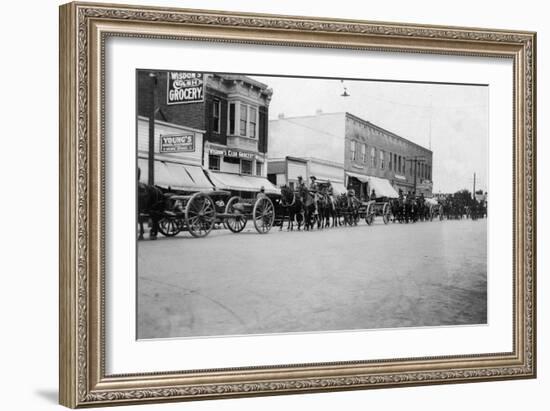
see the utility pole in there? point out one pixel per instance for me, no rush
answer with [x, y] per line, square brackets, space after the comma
[474, 193]
[152, 112]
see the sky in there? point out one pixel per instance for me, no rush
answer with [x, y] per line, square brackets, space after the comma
[452, 120]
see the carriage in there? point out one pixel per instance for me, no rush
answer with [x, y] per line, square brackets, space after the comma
[377, 208]
[435, 209]
[200, 212]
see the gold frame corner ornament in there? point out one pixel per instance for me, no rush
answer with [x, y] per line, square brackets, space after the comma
[83, 30]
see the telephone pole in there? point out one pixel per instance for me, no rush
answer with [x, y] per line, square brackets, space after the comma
[152, 113]
[474, 192]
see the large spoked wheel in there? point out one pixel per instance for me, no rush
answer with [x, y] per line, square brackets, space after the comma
[369, 215]
[237, 223]
[200, 215]
[386, 213]
[263, 215]
[169, 226]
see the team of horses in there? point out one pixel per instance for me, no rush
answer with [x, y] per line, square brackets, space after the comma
[309, 209]
[316, 209]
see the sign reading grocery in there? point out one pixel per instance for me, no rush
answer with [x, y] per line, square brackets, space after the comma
[177, 143]
[185, 87]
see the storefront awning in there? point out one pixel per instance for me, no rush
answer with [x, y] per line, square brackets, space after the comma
[382, 187]
[339, 188]
[361, 177]
[176, 176]
[259, 182]
[237, 182]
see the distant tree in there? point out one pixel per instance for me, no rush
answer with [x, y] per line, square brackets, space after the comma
[463, 195]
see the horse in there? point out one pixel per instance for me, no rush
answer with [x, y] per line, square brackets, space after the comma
[327, 210]
[151, 205]
[292, 204]
[308, 207]
[398, 209]
[348, 207]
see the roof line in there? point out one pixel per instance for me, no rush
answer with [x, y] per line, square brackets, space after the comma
[386, 131]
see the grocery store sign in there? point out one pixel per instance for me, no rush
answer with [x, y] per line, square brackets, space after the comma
[232, 153]
[177, 143]
[185, 87]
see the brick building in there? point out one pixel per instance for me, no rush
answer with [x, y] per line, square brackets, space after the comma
[371, 157]
[227, 114]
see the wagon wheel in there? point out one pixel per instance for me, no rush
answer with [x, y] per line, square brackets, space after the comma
[200, 215]
[386, 213]
[235, 224]
[263, 215]
[170, 226]
[369, 215]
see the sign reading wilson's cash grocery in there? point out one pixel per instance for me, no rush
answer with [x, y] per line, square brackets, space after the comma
[185, 87]
[177, 143]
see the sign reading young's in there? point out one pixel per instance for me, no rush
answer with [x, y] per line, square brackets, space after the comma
[177, 143]
[185, 87]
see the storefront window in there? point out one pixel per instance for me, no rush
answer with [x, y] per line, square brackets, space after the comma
[259, 168]
[213, 162]
[246, 167]
[216, 114]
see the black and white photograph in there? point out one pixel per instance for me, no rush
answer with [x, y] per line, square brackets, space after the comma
[271, 204]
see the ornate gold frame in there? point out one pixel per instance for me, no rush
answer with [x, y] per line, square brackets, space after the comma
[83, 30]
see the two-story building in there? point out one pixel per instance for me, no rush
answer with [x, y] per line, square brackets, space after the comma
[227, 113]
[371, 158]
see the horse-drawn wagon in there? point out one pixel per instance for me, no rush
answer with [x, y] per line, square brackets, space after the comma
[377, 208]
[435, 209]
[198, 213]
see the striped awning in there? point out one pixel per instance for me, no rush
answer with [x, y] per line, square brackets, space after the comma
[176, 176]
[238, 182]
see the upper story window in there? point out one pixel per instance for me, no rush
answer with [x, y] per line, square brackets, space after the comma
[382, 165]
[242, 120]
[216, 116]
[232, 117]
[252, 121]
[390, 161]
[373, 157]
[353, 146]
[364, 153]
